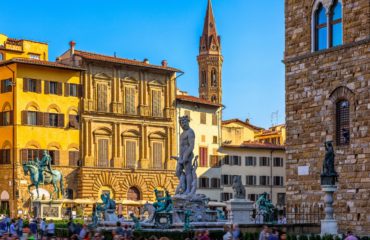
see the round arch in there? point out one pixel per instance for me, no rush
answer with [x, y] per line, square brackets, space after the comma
[32, 106]
[6, 107]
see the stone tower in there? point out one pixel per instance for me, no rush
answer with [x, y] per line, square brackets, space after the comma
[327, 62]
[210, 60]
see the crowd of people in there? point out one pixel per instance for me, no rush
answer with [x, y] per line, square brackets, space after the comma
[45, 230]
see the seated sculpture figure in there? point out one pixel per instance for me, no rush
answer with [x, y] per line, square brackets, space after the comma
[108, 207]
[163, 203]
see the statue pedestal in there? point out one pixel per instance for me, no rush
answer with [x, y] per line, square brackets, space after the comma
[329, 225]
[47, 209]
[239, 211]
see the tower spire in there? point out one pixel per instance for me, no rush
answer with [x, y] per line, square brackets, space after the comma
[210, 60]
[210, 41]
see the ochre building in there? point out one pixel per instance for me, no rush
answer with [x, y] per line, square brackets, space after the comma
[128, 126]
[327, 61]
[39, 108]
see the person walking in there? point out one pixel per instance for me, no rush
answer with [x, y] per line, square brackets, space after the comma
[12, 229]
[42, 228]
[33, 227]
[228, 235]
[20, 227]
[50, 229]
[264, 233]
[350, 236]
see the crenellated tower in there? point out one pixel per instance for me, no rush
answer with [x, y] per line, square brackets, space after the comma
[210, 60]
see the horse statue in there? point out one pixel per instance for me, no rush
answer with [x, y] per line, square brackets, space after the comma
[54, 177]
[151, 212]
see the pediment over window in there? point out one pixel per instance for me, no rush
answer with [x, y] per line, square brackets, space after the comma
[102, 76]
[131, 133]
[157, 83]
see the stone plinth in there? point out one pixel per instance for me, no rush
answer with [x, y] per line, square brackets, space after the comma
[329, 225]
[239, 211]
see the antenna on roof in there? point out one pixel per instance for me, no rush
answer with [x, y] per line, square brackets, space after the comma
[274, 116]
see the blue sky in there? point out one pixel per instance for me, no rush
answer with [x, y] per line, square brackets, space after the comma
[252, 35]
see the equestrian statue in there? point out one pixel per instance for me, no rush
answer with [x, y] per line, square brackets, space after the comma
[41, 173]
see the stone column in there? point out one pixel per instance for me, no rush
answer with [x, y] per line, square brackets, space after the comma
[329, 224]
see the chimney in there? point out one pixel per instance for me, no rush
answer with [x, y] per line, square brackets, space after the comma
[146, 61]
[247, 120]
[164, 63]
[72, 45]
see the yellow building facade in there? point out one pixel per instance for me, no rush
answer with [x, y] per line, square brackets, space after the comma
[128, 126]
[39, 104]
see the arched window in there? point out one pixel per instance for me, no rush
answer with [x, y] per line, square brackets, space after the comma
[321, 28]
[204, 79]
[342, 122]
[213, 99]
[214, 78]
[336, 32]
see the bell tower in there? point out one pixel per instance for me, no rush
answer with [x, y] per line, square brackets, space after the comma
[210, 60]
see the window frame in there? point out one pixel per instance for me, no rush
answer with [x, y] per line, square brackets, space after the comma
[339, 125]
[332, 22]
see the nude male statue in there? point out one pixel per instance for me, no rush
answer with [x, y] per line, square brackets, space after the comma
[184, 161]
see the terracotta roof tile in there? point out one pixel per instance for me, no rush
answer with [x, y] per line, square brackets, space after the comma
[188, 98]
[256, 145]
[105, 58]
[39, 63]
[241, 122]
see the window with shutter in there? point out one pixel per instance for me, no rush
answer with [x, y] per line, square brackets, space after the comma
[130, 100]
[39, 118]
[61, 120]
[60, 88]
[5, 156]
[102, 97]
[74, 157]
[214, 119]
[131, 154]
[157, 155]
[6, 85]
[54, 155]
[203, 118]
[103, 160]
[53, 87]
[31, 118]
[203, 157]
[156, 103]
[342, 123]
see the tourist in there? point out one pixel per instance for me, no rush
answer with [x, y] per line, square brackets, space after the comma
[20, 227]
[97, 236]
[83, 233]
[205, 235]
[33, 227]
[42, 227]
[350, 236]
[283, 235]
[274, 235]
[237, 235]
[12, 229]
[264, 233]
[71, 227]
[228, 235]
[50, 228]
[127, 232]
[119, 230]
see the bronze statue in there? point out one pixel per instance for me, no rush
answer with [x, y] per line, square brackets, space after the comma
[328, 166]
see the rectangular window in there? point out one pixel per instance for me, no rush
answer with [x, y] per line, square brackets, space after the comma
[53, 87]
[250, 161]
[103, 153]
[6, 85]
[203, 157]
[253, 197]
[203, 182]
[264, 180]
[130, 100]
[264, 161]
[32, 118]
[30, 154]
[215, 140]
[131, 154]
[32, 85]
[226, 196]
[278, 181]
[5, 156]
[251, 180]
[226, 180]
[53, 119]
[54, 155]
[278, 162]
[215, 161]
[214, 119]
[74, 158]
[236, 160]
[73, 90]
[6, 118]
[226, 160]
[203, 118]
[157, 103]
[215, 183]
[102, 97]
[34, 56]
[74, 121]
[157, 155]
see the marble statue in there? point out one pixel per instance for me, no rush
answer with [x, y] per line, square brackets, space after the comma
[328, 166]
[42, 173]
[150, 209]
[185, 169]
[239, 190]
